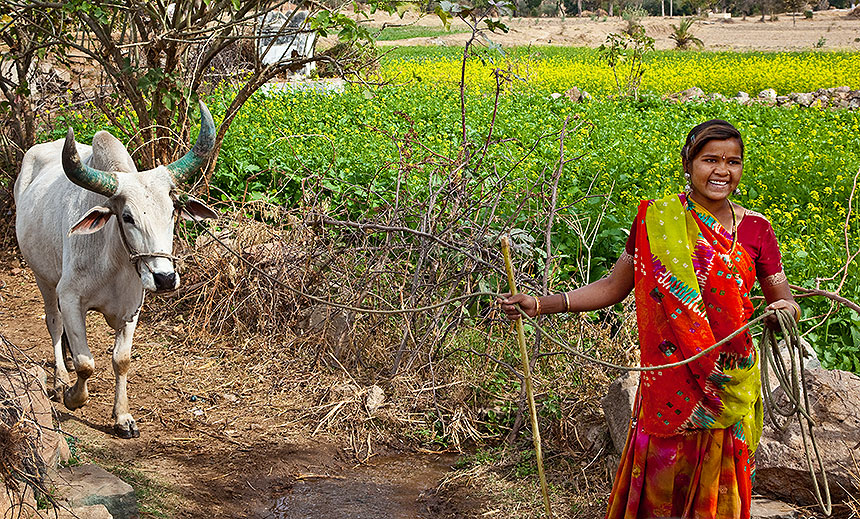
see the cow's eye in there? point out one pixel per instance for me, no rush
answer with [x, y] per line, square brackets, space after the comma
[127, 218]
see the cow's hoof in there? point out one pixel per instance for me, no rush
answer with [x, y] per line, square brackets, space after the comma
[71, 402]
[127, 431]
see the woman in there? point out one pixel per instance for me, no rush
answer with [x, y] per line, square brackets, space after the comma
[693, 259]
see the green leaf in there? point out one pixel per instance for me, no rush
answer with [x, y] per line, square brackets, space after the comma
[444, 16]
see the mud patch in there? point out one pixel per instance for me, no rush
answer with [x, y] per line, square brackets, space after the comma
[387, 487]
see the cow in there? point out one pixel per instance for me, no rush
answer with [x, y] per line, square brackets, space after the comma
[83, 259]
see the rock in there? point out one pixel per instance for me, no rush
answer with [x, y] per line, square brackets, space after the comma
[716, 96]
[762, 508]
[375, 398]
[690, 94]
[803, 99]
[810, 360]
[87, 485]
[783, 100]
[618, 407]
[573, 94]
[555, 95]
[781, 467]
[742, 98]
[767, 94]
[333, 323]
[18, 505]
[29, 388]
[82, 512]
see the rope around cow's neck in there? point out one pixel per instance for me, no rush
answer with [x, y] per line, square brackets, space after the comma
[793, 388]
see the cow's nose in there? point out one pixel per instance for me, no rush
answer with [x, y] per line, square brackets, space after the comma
[164, 281]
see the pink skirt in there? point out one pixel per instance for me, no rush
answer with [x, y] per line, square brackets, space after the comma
[703, 475]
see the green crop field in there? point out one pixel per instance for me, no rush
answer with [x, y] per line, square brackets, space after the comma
[799, 170]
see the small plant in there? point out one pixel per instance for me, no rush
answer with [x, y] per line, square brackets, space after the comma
[683, 35]
[633, 16]
[820, 43]
[625, 54]
[807, 14]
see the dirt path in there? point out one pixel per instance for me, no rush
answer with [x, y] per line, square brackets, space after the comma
[219, 454]
[827, 30]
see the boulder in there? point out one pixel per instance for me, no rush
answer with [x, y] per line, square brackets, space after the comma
[618, 407]
[81, 512]
[690, 94]
[89, 485]
[573, 94]
[28, 389]
[762, 508]
[767, 94]
[802, 98]
[742, 98]
[781, 467]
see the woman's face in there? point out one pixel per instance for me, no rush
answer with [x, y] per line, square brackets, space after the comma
[716, 171]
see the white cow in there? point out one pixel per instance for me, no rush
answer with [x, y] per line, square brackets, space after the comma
[65, 193]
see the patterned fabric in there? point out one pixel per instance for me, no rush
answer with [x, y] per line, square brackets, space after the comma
[696, 425]
[703, 475]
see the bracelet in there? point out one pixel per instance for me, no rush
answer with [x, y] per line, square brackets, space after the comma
[537, 305]
[798, 311]
[566, 302]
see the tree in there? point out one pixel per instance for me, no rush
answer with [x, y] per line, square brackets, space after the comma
[26, 42]
[155, 55]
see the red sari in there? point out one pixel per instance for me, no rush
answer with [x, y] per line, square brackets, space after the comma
[694, 429]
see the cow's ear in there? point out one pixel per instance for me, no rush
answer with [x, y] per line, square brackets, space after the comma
[194, 209]
[93, 221]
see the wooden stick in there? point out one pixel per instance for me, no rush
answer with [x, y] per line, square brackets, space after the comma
[521, 338]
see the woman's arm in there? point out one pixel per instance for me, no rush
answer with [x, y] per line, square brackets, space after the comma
[599, 294]
[779, 297]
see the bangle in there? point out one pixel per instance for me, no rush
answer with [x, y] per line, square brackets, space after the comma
[566, 302]
[537, 306]
[798, 311]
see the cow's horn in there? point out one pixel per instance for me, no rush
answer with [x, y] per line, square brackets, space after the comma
[101, 182]
[194, 159]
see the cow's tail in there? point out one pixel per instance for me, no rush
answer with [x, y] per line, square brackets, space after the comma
[67, 351]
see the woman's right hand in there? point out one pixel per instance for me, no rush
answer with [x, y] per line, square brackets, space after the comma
[526, 302]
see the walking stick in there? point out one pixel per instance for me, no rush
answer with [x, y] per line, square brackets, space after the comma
[521, 338]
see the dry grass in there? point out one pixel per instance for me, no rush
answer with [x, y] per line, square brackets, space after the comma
[258, 353]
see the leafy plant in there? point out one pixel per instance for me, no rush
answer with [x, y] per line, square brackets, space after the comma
[633, 16]
[625, 54]
[683, 35]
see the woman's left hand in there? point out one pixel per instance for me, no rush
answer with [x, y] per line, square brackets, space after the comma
[782, 304]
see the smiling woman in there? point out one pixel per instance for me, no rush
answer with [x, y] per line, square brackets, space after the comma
[692, 260]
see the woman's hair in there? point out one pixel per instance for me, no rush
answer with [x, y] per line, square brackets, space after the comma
[713, 130]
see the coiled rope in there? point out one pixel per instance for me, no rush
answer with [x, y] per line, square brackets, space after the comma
[793, 380]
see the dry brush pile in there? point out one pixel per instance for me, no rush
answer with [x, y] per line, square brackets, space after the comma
[367, 327]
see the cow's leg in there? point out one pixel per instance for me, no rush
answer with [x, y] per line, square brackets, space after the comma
[125, 426]
[75, 330]
[54, 321]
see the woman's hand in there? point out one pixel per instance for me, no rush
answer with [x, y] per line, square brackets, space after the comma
[526, 302]
[788, 305]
